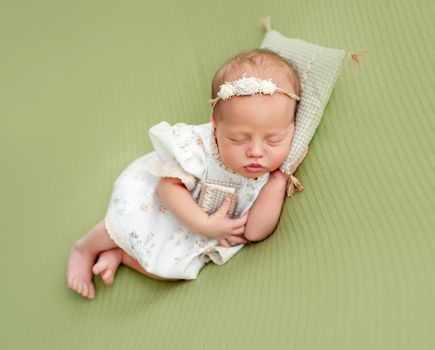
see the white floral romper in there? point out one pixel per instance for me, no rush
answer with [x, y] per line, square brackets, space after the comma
[143, 227]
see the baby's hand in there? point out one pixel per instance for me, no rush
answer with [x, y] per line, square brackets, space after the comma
[226, 230]
[278, 174]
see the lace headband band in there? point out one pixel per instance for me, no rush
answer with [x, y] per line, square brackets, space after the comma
[248, 86]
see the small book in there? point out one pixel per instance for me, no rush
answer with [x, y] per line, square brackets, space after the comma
[213, 194]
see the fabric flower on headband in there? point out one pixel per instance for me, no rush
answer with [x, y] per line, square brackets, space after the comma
[245, 86]
[227, 90]
[248, 86]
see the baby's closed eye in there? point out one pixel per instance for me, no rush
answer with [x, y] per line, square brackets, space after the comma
[238, 139]
[270, 141]
[274, 141]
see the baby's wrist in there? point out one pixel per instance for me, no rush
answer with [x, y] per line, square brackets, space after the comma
[279, 175]
[204, 226]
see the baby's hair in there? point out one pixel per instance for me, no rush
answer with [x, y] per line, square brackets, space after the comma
[260, 61]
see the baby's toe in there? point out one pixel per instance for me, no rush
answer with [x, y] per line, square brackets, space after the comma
[110, 280]
[89, 291]
[91, 294]
[78, 287]
[85, 290]
[72, 283]
[97, 268]
[106, 274]
[107, 277]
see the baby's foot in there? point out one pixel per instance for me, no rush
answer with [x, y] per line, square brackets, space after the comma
[79, 274]
[107, 265]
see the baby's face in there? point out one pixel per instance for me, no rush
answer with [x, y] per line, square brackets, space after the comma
[254, 133]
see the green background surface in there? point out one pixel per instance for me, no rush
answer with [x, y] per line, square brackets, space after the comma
[350, 265]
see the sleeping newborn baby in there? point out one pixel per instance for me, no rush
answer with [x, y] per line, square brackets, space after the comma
[205, 190]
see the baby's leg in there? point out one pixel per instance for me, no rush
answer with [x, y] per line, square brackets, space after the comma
[82, 258]
[107, 265]
[109, 261]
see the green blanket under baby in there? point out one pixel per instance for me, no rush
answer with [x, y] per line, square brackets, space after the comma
[350, 265]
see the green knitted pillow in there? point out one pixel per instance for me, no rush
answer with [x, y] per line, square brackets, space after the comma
[318, 68]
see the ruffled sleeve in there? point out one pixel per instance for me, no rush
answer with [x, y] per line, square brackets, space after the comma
[179, 152]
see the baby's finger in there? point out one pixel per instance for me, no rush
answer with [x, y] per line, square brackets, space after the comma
[240, 221]
[223, 242]
[236, 239]
[238, 231]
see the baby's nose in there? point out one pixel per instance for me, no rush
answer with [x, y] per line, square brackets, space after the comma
[255, 150]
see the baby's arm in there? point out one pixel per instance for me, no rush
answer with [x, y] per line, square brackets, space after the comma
[179, 201]
[265, 213]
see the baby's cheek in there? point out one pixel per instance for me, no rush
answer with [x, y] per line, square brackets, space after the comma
[284, 152]
[228, 157]
[281, 156]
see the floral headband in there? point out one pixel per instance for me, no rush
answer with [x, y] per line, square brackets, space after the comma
[248, 86]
